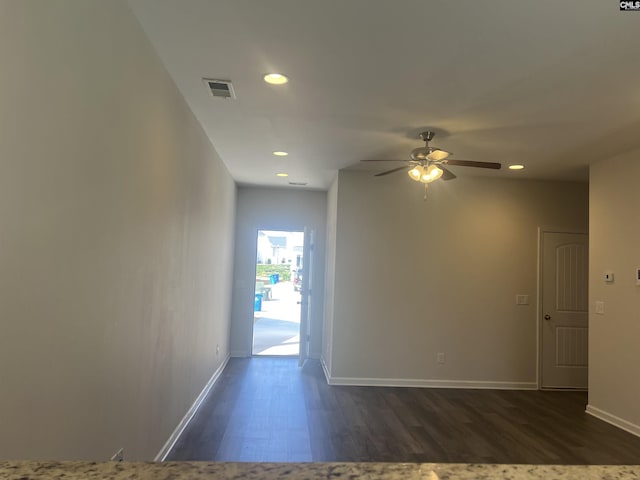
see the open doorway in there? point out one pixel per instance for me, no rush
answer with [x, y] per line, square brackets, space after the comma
[277, 299]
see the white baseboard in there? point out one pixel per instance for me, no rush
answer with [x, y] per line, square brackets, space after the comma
[614, 420]
[166, 448]
[425, 383]
[327, 375]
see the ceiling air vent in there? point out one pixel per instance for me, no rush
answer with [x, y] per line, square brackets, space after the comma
[298, 184]
[220, 88]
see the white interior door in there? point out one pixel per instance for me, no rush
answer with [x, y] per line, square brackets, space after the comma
[306, 294]
[564, 322]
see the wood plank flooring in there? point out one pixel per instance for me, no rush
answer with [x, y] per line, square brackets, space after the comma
[269, 409]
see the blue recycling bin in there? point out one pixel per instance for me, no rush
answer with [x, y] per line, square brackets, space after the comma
[257, 303]
[274, 278]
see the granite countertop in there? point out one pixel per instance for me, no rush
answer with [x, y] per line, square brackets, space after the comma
[25, 470]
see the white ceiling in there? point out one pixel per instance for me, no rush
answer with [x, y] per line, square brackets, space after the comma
[552, 84]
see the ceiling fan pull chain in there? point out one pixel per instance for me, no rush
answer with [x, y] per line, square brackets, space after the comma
[426, 185]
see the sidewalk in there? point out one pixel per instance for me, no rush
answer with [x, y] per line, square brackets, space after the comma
[276, 328]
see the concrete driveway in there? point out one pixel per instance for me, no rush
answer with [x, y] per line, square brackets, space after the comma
[276, 327]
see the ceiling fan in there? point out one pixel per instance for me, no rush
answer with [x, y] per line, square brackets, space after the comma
[427, 163]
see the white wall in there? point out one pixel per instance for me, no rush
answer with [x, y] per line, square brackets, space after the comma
[116, 238]
[614, 356]
[274, 209]
[414, 278]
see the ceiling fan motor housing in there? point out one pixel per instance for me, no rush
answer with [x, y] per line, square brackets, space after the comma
[429, 154]
[420, 154]
[427, 136]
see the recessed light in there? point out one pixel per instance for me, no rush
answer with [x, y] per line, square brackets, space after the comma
[275, 78]
[280, 154]
[282, 174]
[516, 167]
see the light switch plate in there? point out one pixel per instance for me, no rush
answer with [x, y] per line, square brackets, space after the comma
[599, 307]
[608, 277]
[522, 299]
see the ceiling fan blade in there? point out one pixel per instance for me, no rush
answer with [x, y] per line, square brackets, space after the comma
[378, 160]
[470, 163]
[404, 167]
[437, 155]
[446, 174]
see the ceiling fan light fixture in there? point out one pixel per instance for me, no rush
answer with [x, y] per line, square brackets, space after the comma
[430, 174]
[516, 167]
[416, 172]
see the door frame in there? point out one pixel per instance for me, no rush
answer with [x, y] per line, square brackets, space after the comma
[306, 293]
[539, 307]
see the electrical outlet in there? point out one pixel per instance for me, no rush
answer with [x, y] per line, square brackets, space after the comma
[440, 357]
[118, 456]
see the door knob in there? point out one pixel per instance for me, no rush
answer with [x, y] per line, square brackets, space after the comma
[547, 317]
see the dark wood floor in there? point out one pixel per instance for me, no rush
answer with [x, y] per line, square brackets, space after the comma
[268, 409]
